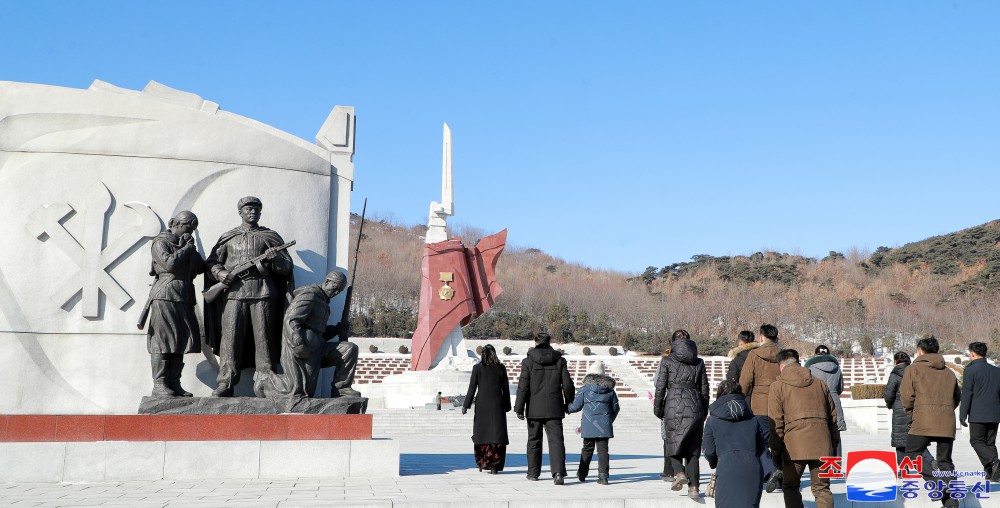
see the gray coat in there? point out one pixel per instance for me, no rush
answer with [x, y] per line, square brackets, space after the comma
[826, 368]
[599, 402]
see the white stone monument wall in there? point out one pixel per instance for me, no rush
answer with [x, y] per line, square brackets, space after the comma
[87, 178]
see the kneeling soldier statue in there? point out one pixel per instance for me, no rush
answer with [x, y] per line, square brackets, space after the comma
[305, 348]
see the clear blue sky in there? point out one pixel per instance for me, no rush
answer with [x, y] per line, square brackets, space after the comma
[616, 134]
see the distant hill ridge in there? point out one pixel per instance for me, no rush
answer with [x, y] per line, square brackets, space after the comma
[859, 302]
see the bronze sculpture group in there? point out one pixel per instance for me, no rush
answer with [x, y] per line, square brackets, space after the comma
[253, 316]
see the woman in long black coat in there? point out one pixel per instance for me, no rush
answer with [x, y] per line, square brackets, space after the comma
[734, 441]
[681, 402]
[489, 426]
[900, 422]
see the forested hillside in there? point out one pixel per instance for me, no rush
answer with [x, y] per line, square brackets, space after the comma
[854, 302]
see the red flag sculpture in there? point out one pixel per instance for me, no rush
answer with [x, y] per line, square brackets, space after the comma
[458, 284]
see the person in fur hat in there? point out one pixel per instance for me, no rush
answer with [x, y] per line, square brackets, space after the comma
[599, 402]
[745, 342]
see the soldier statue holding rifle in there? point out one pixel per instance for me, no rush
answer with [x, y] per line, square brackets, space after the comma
[254, 272]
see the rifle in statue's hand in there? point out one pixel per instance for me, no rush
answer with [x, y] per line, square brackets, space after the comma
[344, 327]
[213, 293]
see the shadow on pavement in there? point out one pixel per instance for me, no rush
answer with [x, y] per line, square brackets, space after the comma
[440, 463]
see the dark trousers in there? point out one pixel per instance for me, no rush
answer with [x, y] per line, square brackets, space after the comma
[901, 452]
[241, 318]
[603, 459]
[557, 448]
[688, 464]
[774, 444]
[915, 447]
[983, 438]
[791, 481]
[668, 466]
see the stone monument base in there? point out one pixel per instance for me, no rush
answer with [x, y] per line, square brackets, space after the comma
[252, 405]
[418, 388]
[116, 461]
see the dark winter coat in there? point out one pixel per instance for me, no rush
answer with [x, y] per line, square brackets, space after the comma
[738, 357]
[492, 401]
[734, 441]
[545, 387]
[930, 394]
[681, 399]
[980, 393]
[599, 402]
[900, 422]
[827, 368]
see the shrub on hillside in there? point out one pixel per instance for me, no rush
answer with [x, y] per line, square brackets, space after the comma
[862, 392]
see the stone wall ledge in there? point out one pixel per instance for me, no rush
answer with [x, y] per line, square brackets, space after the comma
[116, 461]
[199, 427]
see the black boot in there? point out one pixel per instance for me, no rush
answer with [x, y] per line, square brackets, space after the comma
[176, 365]
[160, 369]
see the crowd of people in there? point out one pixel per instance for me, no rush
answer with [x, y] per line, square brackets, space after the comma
[772, 418]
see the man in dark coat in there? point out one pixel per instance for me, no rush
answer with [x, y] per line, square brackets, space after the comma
[681, 402]
[254, 301]
[305, 350]
[980, 409]
[544, 390]
[900, 420]
[738, 355]
[759, 371]
[805, 421]
[173, 326]
[930, 394]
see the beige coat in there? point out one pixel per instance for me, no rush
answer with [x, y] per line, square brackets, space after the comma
[805, 418]
[758, 373]
[929, 393]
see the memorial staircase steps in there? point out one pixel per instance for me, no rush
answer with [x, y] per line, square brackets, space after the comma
[636, 417]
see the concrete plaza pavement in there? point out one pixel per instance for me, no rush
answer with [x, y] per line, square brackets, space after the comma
[440, 472]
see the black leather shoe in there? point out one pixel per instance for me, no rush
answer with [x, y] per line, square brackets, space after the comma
[532, 478]
[773, 482]
[559, 479]
[581, 477]
[602, 480]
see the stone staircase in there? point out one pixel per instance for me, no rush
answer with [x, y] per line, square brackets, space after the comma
[631, 376]
[636, 418]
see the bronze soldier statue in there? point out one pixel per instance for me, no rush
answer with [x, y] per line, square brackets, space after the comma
[253, 303]
[304, 346]
[173, 327]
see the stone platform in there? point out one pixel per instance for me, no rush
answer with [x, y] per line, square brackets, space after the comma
[92, 448]
[438, 471]
[252, 405]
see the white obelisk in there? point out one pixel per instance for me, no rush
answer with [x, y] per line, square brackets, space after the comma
[453, 353]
